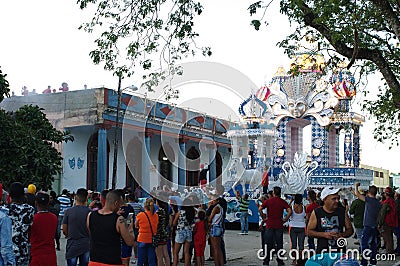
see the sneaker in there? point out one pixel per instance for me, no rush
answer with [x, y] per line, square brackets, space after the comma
[133, 261]
[210, 259]
[242, 233]
[246, 233]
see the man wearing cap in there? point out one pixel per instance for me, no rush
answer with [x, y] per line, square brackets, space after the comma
[357, 210]
[391, 220]
[370, 231]
[329, 223]
[30, 195]
[42, 233]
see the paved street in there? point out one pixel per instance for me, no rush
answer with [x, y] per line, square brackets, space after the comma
[241, 250]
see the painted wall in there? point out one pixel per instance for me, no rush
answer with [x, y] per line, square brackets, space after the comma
[75, 158]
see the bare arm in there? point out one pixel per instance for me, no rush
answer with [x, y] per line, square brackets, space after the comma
[176, 217]
[348, 226]
[213, 213]
[312, 225]
[289, 213]
[124, 230]
[357, 193]
[87, 222]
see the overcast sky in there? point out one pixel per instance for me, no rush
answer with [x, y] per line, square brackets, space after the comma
[41, 45]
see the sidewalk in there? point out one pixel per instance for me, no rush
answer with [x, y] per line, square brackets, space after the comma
[242, 250]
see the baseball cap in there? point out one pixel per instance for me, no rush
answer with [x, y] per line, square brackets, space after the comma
[362, 191]
[31, 189]
[388, 190]
[328, 191]
[42, 198]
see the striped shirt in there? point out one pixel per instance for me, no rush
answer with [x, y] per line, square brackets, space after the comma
[65, 203]
[243, 204]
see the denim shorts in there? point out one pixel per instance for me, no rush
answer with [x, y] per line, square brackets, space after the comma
[183, 235]
[216, 230]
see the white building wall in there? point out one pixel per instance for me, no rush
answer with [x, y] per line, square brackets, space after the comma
[75, 159]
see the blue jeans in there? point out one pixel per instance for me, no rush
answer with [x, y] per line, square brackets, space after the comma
[83, 260]
[359, 234]
[311, 243]
[58, 231]
[146, 251]
[216, 230]
[369, 241]
[244, 222]
[274, 236]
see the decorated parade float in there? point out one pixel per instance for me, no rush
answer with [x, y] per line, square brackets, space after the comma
[270, 135]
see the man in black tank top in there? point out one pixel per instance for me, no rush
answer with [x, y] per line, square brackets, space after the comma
[106, 228]
[330, 224]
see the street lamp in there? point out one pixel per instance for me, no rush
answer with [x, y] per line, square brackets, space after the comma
[114, 173]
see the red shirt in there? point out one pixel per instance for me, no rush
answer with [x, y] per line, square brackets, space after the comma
[43, 230]
[311, 207]
[200, 235]
[391, 218]
[275, 207]
[264, 181]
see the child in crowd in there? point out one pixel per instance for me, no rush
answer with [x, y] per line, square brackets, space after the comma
[200, 229]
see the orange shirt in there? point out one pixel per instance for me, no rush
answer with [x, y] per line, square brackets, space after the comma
[144, 226]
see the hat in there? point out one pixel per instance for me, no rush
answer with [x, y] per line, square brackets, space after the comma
[398, 191]
[31, 189]
[361, 191]
[328, 191]
[389, 190]
[90, 191]
[42, 198]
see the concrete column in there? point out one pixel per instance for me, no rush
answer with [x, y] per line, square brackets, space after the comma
[102, 159]
[146, 165]
[182, 163]
[213, 165]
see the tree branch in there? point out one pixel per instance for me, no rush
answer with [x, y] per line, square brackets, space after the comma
[341, 47]
[391, 16]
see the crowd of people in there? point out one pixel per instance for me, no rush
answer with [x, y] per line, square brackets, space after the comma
[114, 228]
[327, 218]
[110, 228]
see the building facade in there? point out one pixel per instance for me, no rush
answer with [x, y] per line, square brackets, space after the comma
[157, 143]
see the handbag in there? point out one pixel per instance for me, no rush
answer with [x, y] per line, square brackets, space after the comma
[154, 239]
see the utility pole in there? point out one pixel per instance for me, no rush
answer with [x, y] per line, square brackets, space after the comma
[114, 173]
